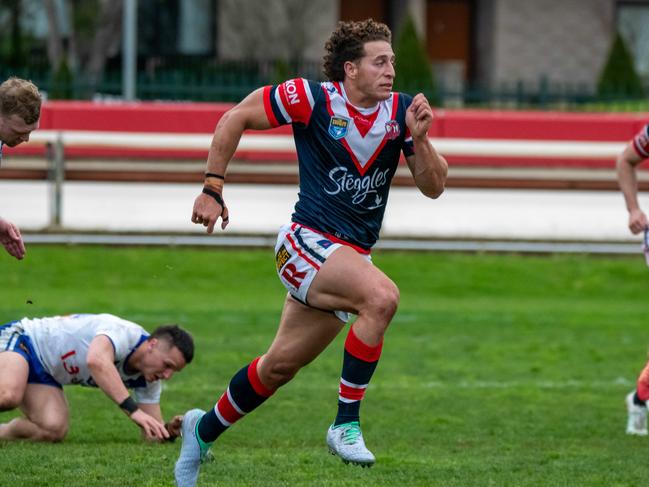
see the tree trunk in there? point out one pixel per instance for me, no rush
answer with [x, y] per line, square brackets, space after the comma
[54, 40]
[109, 29]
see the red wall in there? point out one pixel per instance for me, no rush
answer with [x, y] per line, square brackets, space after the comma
[200, 118]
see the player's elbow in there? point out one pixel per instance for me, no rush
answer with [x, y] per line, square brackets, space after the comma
[433, 192]
[433, 187]
[623, 163]
[432, 183]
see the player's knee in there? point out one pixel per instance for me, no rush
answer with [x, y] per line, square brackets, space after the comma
[384, 301]
[9, 399]
[54, 432]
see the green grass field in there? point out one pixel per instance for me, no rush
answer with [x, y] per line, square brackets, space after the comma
[500, 370]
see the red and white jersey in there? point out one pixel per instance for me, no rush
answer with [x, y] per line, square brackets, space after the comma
[641, 142]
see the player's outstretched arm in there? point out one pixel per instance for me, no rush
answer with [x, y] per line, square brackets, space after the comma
[209, 206]
[428, 167]
[627, 179]
[100, 361]
[11, 239]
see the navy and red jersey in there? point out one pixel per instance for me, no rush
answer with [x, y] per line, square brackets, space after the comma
[347, 155]
[641, 142]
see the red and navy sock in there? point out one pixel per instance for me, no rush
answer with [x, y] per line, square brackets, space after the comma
[359, 362]
[641, 395]
[245, 393]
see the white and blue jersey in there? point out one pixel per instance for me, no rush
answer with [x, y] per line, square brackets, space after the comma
[347, 156]
[56, 349]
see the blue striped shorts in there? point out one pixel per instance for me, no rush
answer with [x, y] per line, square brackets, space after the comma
[14, 339]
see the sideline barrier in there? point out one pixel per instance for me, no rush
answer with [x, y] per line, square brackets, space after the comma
[57, 143]
[284, 144]
[170, 141]
[174, 125]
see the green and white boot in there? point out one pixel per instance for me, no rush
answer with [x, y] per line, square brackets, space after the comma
[346, 441]
[193, 451]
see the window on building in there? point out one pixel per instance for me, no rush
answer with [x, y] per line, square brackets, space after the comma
[175, 27]
[633, 25]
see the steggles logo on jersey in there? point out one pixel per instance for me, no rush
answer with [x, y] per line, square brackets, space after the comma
[392, 129]
[338, 127]
[364, 188]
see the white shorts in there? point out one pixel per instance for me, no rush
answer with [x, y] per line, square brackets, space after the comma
[299, 254]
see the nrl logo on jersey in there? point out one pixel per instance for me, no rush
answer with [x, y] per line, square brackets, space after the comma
[392, 129]
[338, 127]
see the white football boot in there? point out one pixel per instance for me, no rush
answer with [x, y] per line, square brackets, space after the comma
[637, 420]
[192, 453]
[346, 441]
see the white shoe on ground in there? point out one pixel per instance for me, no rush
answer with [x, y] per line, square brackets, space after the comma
[346, 441]
[191, 454]
[637, 420]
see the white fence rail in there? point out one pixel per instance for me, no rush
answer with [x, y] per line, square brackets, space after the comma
[58, 141]
[284, 143]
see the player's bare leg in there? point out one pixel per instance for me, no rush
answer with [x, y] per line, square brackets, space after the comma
[346, 281]
[46, 416]
[302, 335]
[13, 380]
[304, 332]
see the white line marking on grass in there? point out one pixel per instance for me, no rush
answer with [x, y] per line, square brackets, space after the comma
[540, 384]
[464, 384]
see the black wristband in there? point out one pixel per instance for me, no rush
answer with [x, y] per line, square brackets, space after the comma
[214, 175]
[217, 197]
[129, 405]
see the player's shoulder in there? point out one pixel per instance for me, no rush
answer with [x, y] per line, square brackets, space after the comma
[295, 87]
[111, 318]
[106, 322]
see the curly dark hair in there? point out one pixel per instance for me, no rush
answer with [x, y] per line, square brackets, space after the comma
[346, 44]
[176, 336]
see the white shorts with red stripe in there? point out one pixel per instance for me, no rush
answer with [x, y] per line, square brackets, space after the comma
[299, 254]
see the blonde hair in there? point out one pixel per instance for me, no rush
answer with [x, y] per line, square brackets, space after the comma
[20, 97]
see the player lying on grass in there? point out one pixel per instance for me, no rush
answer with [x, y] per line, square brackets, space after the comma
[38, 356]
